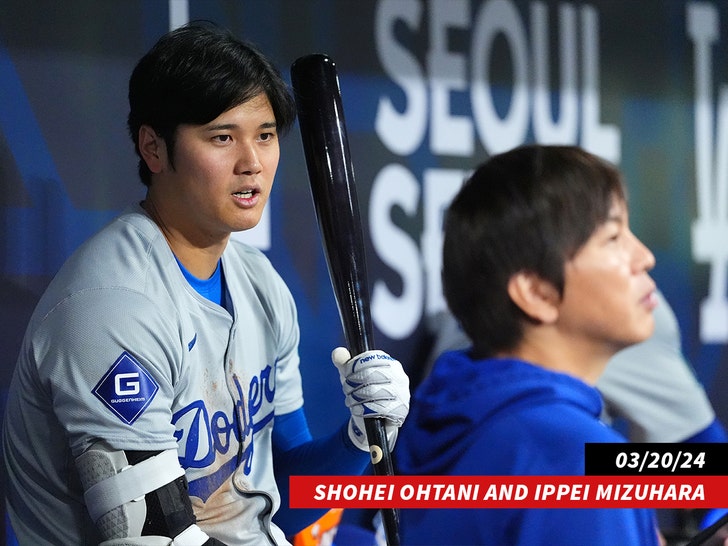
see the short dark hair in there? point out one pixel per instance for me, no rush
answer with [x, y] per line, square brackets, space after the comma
[530, 209]
[195, 73]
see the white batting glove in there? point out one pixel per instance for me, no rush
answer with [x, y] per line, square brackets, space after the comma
[374, 385]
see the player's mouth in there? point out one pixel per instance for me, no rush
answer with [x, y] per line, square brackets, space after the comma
[650, 300]
[247, 197]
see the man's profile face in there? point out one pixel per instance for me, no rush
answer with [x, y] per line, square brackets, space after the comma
[608, 294]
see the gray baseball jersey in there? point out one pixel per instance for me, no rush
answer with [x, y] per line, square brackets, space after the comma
[650, 384]
[654, 388]
[121, 348]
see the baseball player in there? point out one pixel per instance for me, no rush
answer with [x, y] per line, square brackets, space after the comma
[157, 395]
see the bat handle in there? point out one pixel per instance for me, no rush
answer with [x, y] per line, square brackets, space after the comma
[382, 464]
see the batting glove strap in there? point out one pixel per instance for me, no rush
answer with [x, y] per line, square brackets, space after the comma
[358, 435]
[375, 386]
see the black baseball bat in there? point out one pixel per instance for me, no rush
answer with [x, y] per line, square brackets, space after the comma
[331, 174]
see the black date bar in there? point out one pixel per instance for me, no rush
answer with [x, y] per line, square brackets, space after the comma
[655, 459]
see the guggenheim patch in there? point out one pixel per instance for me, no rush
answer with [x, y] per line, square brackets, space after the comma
[126, 388]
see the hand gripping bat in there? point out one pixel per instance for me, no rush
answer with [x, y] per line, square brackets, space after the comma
[331, 174]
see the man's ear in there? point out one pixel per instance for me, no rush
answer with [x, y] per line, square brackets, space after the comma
[538, 298]
[152, 148]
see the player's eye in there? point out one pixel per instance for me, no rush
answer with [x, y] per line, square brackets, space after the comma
[222, 138]
[615, 234]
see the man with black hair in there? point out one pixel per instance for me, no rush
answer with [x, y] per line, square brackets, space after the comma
[543, 273]
[157, 397]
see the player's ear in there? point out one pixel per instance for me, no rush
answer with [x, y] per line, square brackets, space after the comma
[152, 148]
[535, 296]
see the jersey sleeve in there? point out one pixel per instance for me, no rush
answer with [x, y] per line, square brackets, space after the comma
[654, 388]
[104, 357]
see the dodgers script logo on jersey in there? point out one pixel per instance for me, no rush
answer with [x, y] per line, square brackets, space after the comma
[126, 388]
[201, 436]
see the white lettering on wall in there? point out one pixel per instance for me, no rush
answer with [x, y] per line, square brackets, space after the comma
[396, 315]
[418, 111]
[710, 228]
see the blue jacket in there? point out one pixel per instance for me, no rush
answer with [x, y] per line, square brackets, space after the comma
[508, 417]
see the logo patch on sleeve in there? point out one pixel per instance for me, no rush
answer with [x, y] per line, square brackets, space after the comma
[126, 388]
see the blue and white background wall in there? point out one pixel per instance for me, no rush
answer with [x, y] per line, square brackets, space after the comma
[430, 89]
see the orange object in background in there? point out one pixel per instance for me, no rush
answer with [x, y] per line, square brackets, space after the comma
[321, 532]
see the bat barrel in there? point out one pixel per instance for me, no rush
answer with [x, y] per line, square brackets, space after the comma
[331, 173]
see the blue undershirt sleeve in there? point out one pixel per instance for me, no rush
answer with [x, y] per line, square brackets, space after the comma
[296, 453]
[290, 430]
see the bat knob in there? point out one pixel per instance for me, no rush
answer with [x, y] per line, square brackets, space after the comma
[340, 356]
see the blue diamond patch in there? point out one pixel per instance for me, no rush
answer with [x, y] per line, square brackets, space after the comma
[126, 388]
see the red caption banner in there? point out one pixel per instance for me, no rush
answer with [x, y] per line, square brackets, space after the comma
[508, 491]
